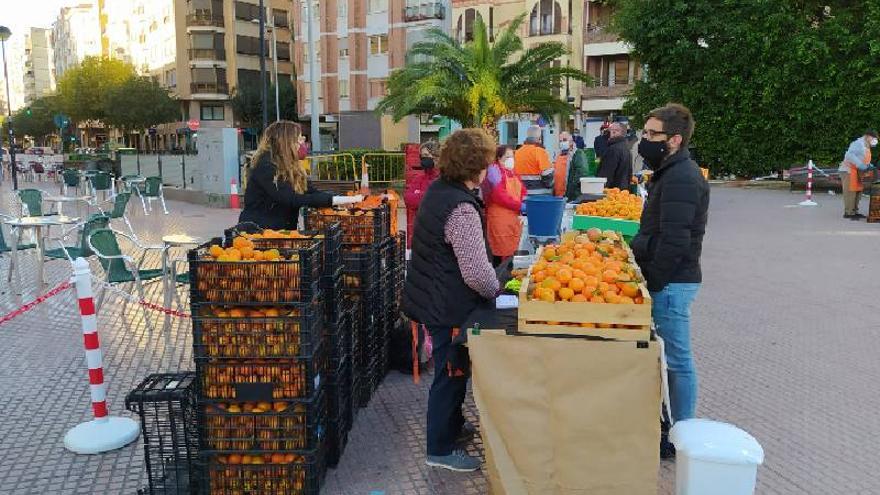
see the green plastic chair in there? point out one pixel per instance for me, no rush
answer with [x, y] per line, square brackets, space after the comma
[70, 178]
[135, 187]
[101, 181]
[95, 222]
[5, 248]
[153, 191]
[31, 202]
[120, 203]
[120, 268]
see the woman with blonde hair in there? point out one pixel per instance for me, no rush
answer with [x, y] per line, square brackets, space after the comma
[278, 185]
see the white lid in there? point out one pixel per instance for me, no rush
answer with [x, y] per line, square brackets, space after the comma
[714, 441]
[594, 179]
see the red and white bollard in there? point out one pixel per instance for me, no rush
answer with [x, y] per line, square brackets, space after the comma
[233, 195]
[104, 432]
[809, 201]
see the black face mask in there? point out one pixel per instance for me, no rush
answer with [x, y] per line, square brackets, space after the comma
[653, 152]
[427, 163]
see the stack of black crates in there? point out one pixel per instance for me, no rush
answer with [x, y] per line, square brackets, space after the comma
[262, 354]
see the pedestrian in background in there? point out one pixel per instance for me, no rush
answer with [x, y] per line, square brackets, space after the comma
[857, 159]
[532, 163]
[616, 164]
[503, 193]
[600, 144]
[669, 243]
[417, 185]
[578, 139]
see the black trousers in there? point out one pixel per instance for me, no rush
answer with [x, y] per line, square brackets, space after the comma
[445, 399]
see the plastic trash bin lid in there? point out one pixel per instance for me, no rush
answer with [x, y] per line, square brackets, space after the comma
[714, 441]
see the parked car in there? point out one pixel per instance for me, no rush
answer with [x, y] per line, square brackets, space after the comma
[823, 178]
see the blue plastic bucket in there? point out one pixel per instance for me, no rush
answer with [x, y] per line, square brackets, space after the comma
[544, 214]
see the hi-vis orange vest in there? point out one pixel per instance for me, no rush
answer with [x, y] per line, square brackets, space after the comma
[855, 179]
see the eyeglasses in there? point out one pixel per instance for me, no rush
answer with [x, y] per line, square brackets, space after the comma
[651, 133]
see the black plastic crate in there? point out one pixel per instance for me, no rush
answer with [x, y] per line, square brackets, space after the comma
[165, 403]
[277, 473]
[359, 226]
[257, 332]
[338, 334]
[330, 238]
[361, 267]
[362, 391]
[261, 380]
[294, 279]
[337, 441]
[339, 383]
[263, 426]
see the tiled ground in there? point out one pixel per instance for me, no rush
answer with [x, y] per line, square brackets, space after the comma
[786, 336]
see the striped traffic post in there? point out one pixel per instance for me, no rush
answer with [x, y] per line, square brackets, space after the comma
[809, 201]
[104, 432]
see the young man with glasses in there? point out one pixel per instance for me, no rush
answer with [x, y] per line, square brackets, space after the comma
[669, 243]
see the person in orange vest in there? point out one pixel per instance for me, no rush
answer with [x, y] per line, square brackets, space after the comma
[857, 159]
[532, 164]
[503, 193]
[567, 149]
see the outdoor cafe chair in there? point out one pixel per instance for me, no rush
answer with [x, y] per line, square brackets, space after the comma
[119, 204]
[120, 268]
[70, 253]
[32, 203]
[70, 178]
[101, 181]
[153, 191]
[5, 248]
[135, 184]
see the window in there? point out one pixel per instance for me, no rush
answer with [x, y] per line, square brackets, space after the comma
[342, 9]
[279, 17]
[343, 88]
[621, 71]
[378, 44]
[212, 111]
[343, 47]
[248, 78]
[378, 88]
[250, 45]
[307, 92]
[283, 51]
[247, 11]
[171, 78]
[378, 5]
[203, 41]
[205, 75]
[546, 19]
[306, 52]
[465, 26]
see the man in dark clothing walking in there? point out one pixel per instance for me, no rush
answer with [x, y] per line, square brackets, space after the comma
[669, 243]
[600, 144]
[616, 164]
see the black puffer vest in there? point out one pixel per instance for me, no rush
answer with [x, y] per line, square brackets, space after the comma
[435, 293]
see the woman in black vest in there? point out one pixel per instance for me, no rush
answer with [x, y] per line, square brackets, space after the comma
[277, 184]
[449, 276]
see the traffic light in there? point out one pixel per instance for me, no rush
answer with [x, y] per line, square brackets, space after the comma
[28, 111]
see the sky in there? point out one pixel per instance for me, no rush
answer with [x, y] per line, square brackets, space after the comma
[19, 15]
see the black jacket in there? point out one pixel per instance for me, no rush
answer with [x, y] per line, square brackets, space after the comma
[600, 145]
[435, 292]
[276, 206]
[616, 164]
[670, 238]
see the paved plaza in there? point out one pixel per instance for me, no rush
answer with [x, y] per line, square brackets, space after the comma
[786, 336]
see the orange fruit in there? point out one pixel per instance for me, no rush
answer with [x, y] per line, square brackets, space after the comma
[233, 254]
[539, 276]
[277, 458]
[609, 276]
[547, 295]
[588, 325]
[564, 275]
[247, 252]
[597, 299]
[639, 300]
[576, 284]
[234, 459]
[629, 289]
[272, 312]
[565, 293]
[579, 298]
[215, 251]
[549, 253]
[237, 313]
[279, 407]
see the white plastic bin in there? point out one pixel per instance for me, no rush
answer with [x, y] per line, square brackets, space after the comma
[593, 185]
[714, 458]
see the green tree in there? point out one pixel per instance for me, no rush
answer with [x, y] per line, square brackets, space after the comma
[139, 103]
[771, 84]
[37, 119]
[247, 108]
[83, 90]
[478, 82]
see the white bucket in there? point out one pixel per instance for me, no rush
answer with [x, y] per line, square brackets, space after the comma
[593, 185]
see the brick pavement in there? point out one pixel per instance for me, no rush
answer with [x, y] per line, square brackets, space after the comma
[785, 337]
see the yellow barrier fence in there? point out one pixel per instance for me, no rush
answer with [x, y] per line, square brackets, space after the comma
[387, 170]
[336, 167]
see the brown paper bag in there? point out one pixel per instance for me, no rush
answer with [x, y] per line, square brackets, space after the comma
[566, 416]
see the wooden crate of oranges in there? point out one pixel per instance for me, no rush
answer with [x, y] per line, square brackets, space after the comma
[587, 285]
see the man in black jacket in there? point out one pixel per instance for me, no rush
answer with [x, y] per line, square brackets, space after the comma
[669, 242]
[616, 164]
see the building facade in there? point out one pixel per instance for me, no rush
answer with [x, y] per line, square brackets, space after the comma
[358, 45]
[39, 64]
[76, 35]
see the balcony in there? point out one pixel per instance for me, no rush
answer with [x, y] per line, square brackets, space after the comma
[204, 18]
[213, 88]
[424, 12]
[604, 90]
[207, 54]
[599, 34]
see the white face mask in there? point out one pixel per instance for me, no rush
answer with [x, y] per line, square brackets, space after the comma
[508, 163]
[563, 146]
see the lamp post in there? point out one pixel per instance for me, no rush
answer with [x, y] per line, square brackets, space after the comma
[5, 33]
[313, 76]
[263, 99]
[272, 28]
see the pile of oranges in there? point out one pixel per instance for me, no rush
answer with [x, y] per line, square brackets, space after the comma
[281, 234]
[615, 204]
[592, 267]
[242, 250]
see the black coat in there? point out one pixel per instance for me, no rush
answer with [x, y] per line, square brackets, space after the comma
[670, 238]
[276, 206]
[600, 145]
[616, 164]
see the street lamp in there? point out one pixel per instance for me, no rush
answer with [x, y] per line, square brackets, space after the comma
[263, 102]
[271, 27]
[5, 33]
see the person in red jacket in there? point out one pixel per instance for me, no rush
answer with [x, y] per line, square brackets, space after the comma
[417, 184]
[503, 193]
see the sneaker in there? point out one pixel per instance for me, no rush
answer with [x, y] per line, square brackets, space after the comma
[847, 215]
[467, 433]
[857, 216]
[458, 460]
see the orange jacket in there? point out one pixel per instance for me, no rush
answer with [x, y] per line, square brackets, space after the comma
[560, 174]
[530, 159]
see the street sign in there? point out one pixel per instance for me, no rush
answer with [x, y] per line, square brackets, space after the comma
[61, 120]
[193, 125]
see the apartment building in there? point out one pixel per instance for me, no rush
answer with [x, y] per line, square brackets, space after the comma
[546, 21]
[358, 45]
[608, 60]
[76, 34]
[39, 64]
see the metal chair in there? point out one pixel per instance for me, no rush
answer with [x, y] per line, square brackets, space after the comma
[71, 178]
[120, 203]
[135, 184]
[101, 181]
[5, 248]
[120, 268]
[32, 203]
[70, 253]
[152, 191]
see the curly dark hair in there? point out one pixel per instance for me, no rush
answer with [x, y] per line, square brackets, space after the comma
[465, 154]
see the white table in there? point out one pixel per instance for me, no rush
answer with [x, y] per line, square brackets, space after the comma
[170, 283]
[60, 200]
[36, 224]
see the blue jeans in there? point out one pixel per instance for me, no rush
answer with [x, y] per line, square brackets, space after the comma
[672, 314]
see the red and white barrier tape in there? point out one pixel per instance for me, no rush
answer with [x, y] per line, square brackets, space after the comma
[36, 302]
[132, 299]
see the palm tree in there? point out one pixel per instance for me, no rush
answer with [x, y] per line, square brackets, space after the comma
[478, 82]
